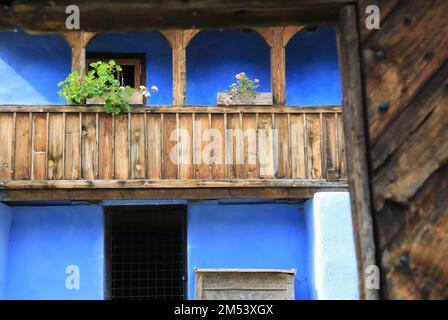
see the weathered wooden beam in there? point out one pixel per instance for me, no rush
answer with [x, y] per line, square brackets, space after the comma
[356, 144]
[146, 15]
[179, 40]
[78, 41]
[170, 109]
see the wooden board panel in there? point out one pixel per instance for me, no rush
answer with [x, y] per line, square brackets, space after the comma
[329, 145]
[342, 157]
[200, 141]
[6, 145]
[250, 146]
[298, 159]
[55, 163]
[284, 152]
[105, 146]
[218, 169]
[154, 141]
[39, 147]
[89, 167]
[73, 131]
[313, 146]
[170, 151]
[121, 147]
[138, 153]
[185, 144]
[22, 168]
[234, 147]
[266, 146]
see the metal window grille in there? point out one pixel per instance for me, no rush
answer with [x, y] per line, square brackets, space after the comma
[147, 254]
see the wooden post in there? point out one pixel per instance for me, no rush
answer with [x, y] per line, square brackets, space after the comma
[179, 40]
[356, 147]
[277, 38]
[78, 41]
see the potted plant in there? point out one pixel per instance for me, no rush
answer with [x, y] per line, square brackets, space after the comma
[99, 86]
[242, 92]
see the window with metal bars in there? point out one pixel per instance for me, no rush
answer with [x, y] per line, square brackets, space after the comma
[145, 252]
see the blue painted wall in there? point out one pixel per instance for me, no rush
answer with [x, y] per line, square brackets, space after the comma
[248, 236]
[5, 226]
[312, 71]
[44, 241]
[31, 67]
[214, 58]
[158, 58]
[331, 257]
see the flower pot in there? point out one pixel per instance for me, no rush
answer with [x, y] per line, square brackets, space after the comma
[135, 98]
[259, 99]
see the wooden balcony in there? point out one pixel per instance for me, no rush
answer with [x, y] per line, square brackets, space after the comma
[65, 152]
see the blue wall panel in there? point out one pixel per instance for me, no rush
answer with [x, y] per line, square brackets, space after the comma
[312, 71]
[44, 241]
[214, 58]
[158, 58]
[5, 226]
[248, 236]
[31, 67]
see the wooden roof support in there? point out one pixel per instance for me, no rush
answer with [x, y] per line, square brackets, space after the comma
[78, 41]
[277, 38]
[179, 40]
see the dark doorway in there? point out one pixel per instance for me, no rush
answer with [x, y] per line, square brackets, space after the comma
[145, 252]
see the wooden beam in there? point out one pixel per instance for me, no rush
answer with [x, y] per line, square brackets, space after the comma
[356, 145]
[157, 193]
[170, 109]
[179, 40]
[78, 41]
[147, 15]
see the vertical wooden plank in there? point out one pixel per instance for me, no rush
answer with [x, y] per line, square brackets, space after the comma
[278, 79]
[22, 148]
[72, 149]
[138, 160]
[185, 144]
[234, 147]
[298, 167]
[284, 163]
[170, 152]
[218, 169]
[342, 157]
[105, 167]
[200, 157]
[39, 163]
[89, 150]
[121, 147]
[250, 145]
[329, 149]
[55, 163]
[313, 142]
[266, 146]
[154, 146]
[6, 145]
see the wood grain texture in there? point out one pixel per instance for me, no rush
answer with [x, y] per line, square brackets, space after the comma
[121, 147]
[22, 168]
[407, 146]
[89, 165]
[6, 146]
[56, 142]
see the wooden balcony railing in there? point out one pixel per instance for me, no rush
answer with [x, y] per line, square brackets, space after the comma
[67, 147]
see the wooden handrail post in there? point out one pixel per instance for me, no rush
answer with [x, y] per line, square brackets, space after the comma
[78, 41]
[179, 40]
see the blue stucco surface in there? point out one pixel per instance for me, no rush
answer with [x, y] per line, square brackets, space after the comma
[44, 241]
[247, 236]
[32, 65]
[332, 260]
[312, 71]
[5, 226]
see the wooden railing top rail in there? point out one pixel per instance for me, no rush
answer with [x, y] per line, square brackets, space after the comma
[174, 109]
